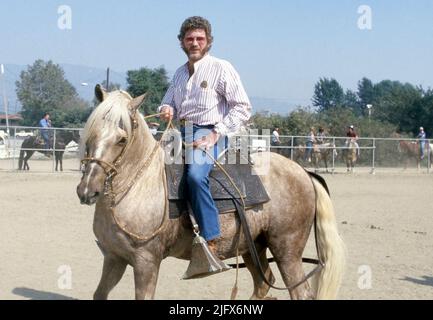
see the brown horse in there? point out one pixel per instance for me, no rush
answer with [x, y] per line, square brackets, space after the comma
[124, 175]
[411, 150]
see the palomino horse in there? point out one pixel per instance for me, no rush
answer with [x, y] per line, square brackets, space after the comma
[62, 140]
[350, 154]
[124, 175]
[322, 152]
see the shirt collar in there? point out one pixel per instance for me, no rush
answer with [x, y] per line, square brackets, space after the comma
[198, 63]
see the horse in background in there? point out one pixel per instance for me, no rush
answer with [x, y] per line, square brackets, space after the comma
[411, 150]
[322, 152]
[350, 154]
[63, 138]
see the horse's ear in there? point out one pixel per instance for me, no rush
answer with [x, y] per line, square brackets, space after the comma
[100, 93]
[137, 102]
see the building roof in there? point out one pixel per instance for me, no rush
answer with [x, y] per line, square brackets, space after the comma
[11, 117]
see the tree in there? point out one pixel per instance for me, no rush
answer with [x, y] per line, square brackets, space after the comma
[152, 81]
[365, 92]
[43, 88]
[395, 102]
[328, 93]
[351, 101]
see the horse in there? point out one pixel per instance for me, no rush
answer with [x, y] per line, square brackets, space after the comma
[411, 149]
[124, 176]
[321, 152]
[350, 153]
[63, 138]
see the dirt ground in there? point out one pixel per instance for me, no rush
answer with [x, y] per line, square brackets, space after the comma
[46, 235]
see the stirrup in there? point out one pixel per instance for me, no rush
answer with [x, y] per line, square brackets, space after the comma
[203, 262]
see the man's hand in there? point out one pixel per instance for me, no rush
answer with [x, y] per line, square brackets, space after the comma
[208, 141]
[167, 113]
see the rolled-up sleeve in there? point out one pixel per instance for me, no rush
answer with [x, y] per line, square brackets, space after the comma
[230, 86]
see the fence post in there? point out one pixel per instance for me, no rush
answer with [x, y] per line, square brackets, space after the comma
[14, 148]
[291, 148]
[428, 155]
[333, 155]
[54, 149]
[374, 157]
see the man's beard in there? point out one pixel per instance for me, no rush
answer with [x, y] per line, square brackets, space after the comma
[196, 55]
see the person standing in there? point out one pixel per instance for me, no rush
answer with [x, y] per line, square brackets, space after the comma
[309, 147]
[275, 138]
[422, 139]
[207, 96]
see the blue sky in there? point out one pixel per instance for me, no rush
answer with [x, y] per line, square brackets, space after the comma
[280, 48]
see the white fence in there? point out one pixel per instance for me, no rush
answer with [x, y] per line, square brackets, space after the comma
[375, 154]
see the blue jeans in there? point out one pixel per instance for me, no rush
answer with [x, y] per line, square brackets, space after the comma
[46, 138]
[198, 165]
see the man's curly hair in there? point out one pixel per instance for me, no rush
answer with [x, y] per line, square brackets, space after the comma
[196, 22]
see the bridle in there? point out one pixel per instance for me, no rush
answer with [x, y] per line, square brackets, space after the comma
[111, 170]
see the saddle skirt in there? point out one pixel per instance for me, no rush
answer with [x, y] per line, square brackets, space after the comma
[222, 190]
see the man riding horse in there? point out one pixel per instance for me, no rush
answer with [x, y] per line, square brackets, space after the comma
[207, 96]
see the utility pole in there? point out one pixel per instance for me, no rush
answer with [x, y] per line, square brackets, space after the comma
[5, 100]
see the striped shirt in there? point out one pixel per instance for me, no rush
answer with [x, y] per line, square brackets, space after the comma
[213, 95]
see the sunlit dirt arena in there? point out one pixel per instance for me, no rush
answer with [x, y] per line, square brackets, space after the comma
[48, 249]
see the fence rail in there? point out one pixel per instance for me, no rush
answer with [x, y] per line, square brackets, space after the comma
[374, 153]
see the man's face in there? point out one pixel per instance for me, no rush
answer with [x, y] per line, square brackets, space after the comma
[47, 117]
[195, 44]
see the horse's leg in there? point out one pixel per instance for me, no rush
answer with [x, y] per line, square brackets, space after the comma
[289, 263]
[146, 269]
[325, 160]
[112, 271]
[260, 287]
[57, 159]
[26, 158]
[61, 160]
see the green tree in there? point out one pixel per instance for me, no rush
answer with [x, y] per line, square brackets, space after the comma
[365, 92]
[351, 101]
[43, 88]
[394, 102]
[152, 81]
[328, 93]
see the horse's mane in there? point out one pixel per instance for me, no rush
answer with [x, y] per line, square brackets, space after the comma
[108, 115]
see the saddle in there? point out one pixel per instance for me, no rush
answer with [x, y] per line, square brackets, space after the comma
[225, 195]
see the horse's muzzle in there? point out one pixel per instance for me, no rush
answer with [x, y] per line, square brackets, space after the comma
[86, 195]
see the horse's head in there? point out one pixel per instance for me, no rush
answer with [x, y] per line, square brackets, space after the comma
[106, 135]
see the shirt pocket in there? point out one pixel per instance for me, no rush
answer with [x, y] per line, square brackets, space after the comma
[205, 98]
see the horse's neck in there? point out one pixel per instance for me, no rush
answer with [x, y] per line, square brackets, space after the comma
[136, 156]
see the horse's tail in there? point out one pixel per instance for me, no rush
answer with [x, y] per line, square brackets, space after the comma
[331, 248]
[20, 161]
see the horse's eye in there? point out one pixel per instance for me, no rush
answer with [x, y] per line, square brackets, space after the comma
[122, 141]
